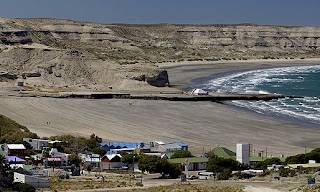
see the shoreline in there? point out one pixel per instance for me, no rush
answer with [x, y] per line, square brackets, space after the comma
[182, 74]
[200, 124]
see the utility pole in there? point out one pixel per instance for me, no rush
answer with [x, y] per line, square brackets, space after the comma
[266, 152]
[305, 152]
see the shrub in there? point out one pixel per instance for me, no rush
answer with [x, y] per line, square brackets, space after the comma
[283, 172]
[181, 154]
[225, 174]
[265, 163]
[23, 187]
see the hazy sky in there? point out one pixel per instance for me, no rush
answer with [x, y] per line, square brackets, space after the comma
[277, 12]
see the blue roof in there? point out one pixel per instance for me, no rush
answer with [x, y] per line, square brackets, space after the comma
[181, 144]
[120, 145]
[14, 159]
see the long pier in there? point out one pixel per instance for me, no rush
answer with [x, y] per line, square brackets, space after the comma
[215, 97]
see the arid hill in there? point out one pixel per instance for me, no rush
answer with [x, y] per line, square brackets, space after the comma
[74, 55]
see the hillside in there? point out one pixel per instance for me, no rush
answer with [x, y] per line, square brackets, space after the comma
[10, 131]
[74, 55]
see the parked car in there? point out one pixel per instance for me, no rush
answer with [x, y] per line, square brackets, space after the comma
[192, 177]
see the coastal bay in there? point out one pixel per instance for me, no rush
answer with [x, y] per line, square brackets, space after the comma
[203, 125]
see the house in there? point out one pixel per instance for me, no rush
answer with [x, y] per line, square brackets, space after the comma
[111, 161]
[92, 160]
[15, 162]
[37, 144]
[199, 92]
[194, 163]
[56, 158]
[226, 153]
[32, 180]
[159, 146]
[14, 150]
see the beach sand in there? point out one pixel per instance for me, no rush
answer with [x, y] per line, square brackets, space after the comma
[203, 125]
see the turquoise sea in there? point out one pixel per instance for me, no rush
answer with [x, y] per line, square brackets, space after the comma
[300, 81]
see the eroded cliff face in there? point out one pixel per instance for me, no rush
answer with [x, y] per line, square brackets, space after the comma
[63, 53]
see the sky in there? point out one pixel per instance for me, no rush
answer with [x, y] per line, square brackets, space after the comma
[264, 12]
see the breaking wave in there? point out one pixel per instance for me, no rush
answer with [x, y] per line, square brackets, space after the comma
[299, 81]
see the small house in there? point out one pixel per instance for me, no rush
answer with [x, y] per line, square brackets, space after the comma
[18, 150]
[193, 163]
[111, 161]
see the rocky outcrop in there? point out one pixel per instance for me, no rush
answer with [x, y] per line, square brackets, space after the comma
[159, 80]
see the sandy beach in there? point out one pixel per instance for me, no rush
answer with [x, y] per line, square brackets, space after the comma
[200, 124]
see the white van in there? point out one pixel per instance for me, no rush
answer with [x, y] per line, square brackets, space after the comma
[205, 175]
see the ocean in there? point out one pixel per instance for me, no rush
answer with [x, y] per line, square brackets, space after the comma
[299, 81]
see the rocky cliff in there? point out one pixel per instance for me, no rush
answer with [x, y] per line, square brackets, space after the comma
[69, 54]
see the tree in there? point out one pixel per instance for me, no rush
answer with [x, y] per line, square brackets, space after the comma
[296, 159]
[225, 174]
[93, 141]
[264, 164]
[155, 164]
[149, 163]
[74, 159]
[99, 150]
[130, 158]
[285, 172]
[6, 174]
[219, 164]
[181, 154]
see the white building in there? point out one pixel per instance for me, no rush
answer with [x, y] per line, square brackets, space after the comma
[37, 144]
[243, 153]
[35, 181]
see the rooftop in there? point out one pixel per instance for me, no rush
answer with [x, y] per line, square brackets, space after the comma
[14, 159]
[122, 144]
[224, 152]
[16, 146]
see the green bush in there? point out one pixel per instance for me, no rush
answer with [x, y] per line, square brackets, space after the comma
[263, 164]
[283, 172]
[181, 154]
[23, 187]
[225, 174]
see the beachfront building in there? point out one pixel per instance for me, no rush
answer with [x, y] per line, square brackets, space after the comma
[56, 158]
[227, 153]
[193, 163]
[92, 160]
[159, 146]
[37, 144]
[114, 147]
[18, 150]
[111, 161]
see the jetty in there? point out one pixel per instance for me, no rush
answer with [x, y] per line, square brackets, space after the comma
[214, 97]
